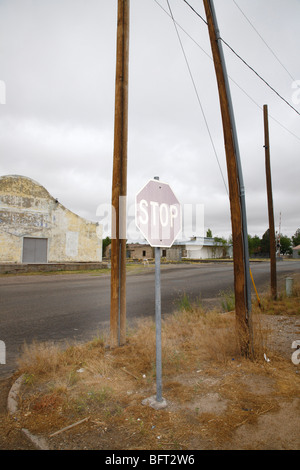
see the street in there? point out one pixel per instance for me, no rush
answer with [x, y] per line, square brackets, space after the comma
[77, 306]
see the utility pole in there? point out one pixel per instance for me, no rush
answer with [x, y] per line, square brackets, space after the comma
[242, 280]
[119, 182]
[270, 206]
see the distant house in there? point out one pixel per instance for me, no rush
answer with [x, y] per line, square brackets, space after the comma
[135, 250]
[296, 252]
[200, 248]
[139, 251]
[195, 248]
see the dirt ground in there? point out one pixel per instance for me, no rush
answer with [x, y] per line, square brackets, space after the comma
[266, 416]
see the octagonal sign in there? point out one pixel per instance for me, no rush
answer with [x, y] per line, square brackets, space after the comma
[158, 214]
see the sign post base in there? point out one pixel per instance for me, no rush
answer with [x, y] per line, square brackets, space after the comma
[152, 401]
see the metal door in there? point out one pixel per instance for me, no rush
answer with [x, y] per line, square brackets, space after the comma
[34, 250]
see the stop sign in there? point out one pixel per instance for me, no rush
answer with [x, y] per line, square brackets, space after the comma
[158, 214]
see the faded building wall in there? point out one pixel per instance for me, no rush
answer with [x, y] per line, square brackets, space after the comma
[204, 252]
[296, 252]
[173, 253]
[137, 251]
[27, 210]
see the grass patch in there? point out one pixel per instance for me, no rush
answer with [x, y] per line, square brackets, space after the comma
[184, 303]
[283, 305]
[210, 388]
[227, 300]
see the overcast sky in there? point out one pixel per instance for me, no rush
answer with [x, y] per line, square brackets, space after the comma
[57, 60]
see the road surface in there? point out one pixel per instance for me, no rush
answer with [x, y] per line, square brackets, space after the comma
[77, 306]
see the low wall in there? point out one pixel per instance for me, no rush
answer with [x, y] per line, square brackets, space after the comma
[14, 268]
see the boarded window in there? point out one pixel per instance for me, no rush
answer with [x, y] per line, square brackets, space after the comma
[72, 244]
[35, 250]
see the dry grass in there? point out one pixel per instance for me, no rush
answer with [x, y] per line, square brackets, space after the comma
[284, 305]
[210, 389]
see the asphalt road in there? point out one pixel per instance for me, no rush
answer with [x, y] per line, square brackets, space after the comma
[77, 306]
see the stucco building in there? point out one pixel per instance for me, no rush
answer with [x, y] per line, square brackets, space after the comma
[296, 252]
[36, 228]
[203, 248]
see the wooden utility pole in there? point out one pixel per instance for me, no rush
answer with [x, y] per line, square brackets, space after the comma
[119, 183]
[270, 206]
[242, 281]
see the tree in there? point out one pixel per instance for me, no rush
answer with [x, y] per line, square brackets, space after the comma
[265, 243]
[285, 245]
[106, 242]
[209, 233]
[220, 242]
[296, 238]
[254, 245]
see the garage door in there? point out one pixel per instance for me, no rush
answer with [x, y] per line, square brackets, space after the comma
[34, 250]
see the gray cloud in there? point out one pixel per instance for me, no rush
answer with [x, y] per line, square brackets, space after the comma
[58, 63]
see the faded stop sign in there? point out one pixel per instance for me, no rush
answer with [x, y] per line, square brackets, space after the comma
[158, 214]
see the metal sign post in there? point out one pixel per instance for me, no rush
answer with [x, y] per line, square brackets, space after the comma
[158, 326]
[158, 323]
[158, 217]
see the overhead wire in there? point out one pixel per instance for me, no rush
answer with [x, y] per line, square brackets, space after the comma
[210, 57]
[263, 40]
[197, 95]
[179, 26]
[261, 108]
[259, 76]
[198, 14]
[246, 63]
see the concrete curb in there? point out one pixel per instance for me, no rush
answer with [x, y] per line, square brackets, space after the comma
[12, 406]
[39, 442]
[12, 400]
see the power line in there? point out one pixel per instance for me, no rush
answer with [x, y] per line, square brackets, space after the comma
[197, 94]
[249, 66]
[182, 29]
[259, 76]
[257, 32]
[209, 56]
[198, 14]
[261, 108]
